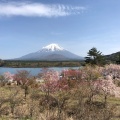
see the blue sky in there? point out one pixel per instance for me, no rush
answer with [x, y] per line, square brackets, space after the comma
[76, 25]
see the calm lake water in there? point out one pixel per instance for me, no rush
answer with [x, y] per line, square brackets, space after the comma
[33, 71]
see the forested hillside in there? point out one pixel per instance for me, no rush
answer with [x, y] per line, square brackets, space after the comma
[115, 57]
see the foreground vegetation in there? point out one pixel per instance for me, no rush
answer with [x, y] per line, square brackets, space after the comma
[91, 93]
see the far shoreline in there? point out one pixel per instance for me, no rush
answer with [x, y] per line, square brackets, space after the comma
[41, 64]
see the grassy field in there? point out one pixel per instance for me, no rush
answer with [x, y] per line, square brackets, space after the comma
[63, 105]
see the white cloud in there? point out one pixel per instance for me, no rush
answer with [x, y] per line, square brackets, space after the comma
[38, 9]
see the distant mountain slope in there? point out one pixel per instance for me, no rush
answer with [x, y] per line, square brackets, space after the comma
[115, 57]
[52, 52]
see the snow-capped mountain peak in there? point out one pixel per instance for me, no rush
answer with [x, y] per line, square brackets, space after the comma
[52, 52]
[52, 47]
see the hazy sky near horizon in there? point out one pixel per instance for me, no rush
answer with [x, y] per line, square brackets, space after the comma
[77, 25]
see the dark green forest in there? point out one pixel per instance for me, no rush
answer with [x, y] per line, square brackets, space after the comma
[20, 64]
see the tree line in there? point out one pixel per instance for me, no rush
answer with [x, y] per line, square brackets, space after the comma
[32, 64]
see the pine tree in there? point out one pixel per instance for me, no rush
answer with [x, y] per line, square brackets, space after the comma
[95, 57]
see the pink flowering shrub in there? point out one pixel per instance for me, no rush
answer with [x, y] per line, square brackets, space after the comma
[71, 77]
[51, 82]
[107, 87]
[8, 76]
[22, 77]
[106, 84]
[100, 79]
[72, 74]
[113, 70]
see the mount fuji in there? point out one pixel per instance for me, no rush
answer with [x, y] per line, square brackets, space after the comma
[52, 52]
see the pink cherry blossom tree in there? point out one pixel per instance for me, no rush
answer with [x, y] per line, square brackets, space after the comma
[52, 82]
[23, 77]
[8, 76]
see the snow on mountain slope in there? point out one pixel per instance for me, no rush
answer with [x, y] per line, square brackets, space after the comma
[50, 53]
[52, 47]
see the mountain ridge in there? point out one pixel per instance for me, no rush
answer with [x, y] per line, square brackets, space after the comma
[114, 57]
[52, 52]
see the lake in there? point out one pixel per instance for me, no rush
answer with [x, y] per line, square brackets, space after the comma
[33, 71]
